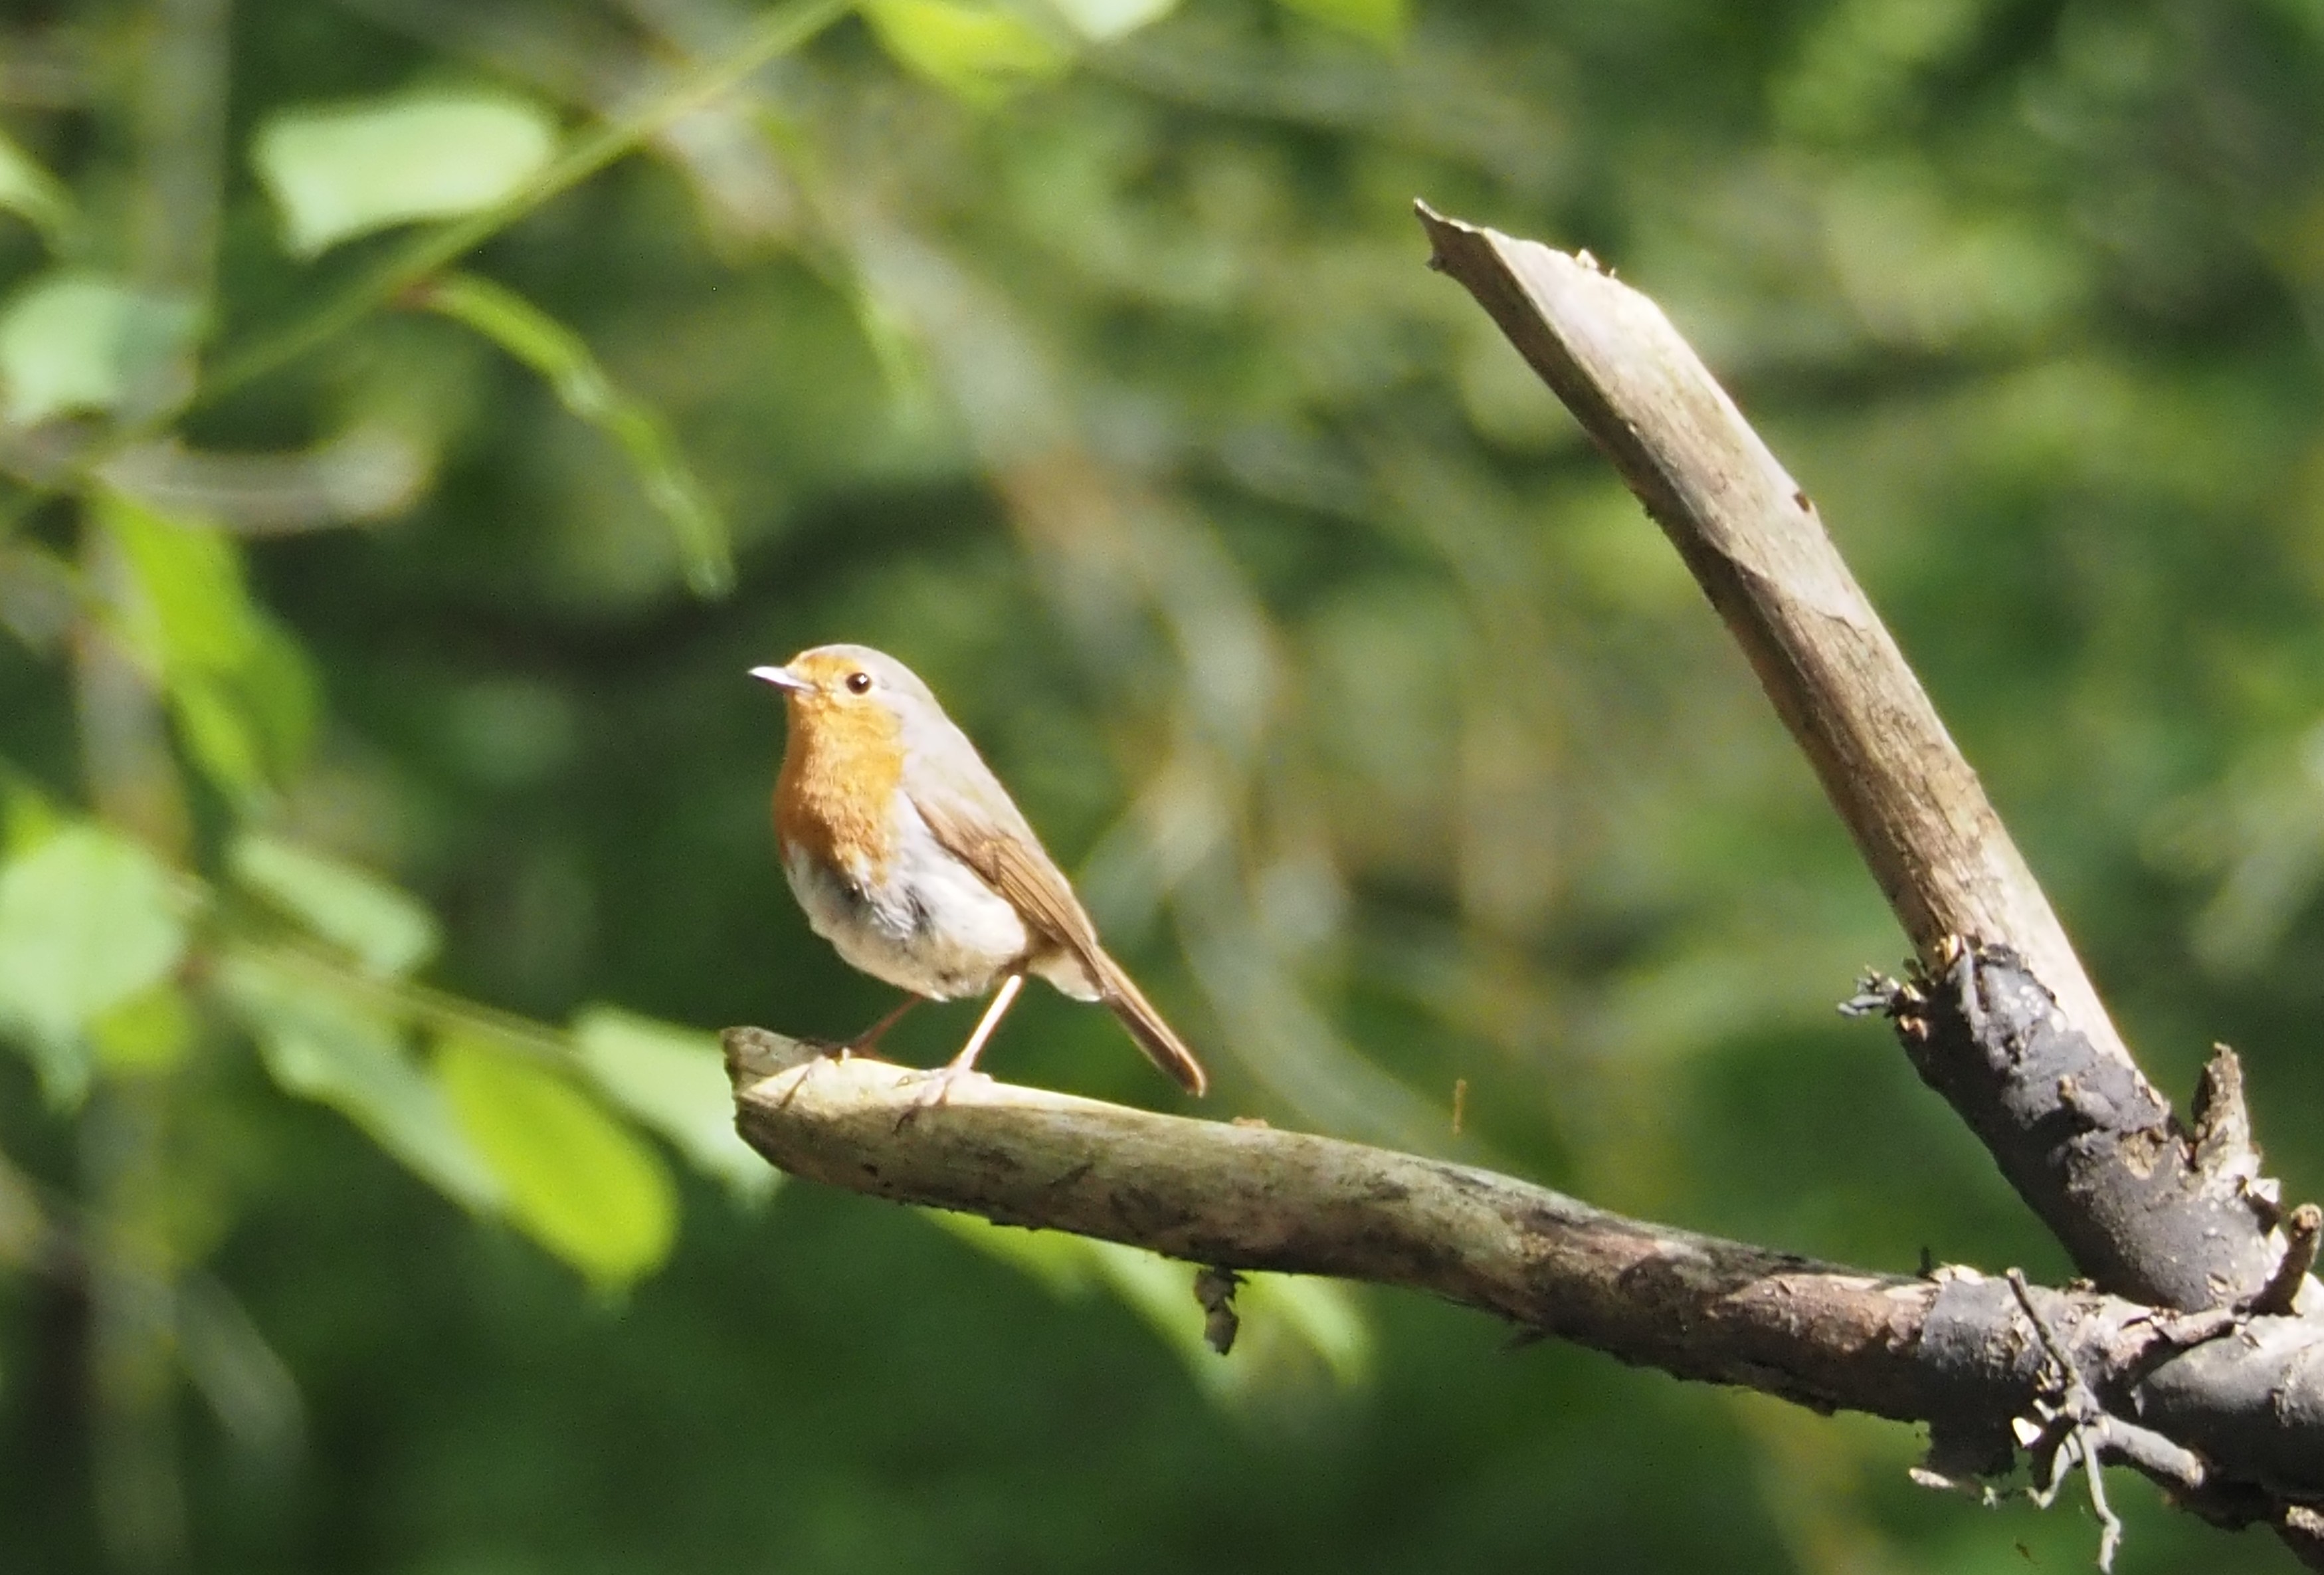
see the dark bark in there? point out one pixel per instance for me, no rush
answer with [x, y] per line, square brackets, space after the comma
[2136, 1198]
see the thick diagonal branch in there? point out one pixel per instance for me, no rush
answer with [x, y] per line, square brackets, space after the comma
[1751, 536]
[1754, 540]
[2241, 1415]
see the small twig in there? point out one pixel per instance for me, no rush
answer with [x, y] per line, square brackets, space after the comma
[2110, 1523]
[2302, 1229]
[2075, 1431]
[2052, 1346]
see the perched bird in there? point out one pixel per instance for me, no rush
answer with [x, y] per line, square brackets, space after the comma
[910, 858]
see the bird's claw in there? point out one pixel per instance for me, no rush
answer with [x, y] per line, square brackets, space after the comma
[936, 1088]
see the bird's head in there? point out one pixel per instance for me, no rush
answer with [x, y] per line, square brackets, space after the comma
[850, 688]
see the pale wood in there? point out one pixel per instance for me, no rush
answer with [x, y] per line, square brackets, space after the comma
[1752, 539]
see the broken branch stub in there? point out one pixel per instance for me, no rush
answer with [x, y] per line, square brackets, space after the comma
[2141, 1205]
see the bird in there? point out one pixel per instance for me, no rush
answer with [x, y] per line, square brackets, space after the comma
[909, 856]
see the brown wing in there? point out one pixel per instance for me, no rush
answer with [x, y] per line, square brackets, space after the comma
[1009, 860]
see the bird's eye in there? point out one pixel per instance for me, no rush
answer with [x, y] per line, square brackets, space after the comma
[859, 683]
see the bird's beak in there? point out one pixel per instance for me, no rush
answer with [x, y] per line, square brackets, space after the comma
[783, 679]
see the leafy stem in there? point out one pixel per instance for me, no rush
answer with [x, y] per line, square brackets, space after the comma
[772, 37]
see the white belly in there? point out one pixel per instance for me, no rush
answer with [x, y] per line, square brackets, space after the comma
[926, 924]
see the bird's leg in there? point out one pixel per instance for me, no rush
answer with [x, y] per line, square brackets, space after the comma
[862, 1044]
[964, 1065]
[965, 1061]
[865, 1043]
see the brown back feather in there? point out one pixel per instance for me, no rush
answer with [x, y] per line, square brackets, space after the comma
[1010, 860]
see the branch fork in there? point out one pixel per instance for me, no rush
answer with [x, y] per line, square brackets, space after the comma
[2194, 1354]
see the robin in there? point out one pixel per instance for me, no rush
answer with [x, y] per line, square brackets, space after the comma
[910, 858]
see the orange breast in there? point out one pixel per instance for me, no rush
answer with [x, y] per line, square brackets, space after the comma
[842, 768]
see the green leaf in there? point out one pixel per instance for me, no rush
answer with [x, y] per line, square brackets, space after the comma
[34, 195]
[319, 1045]
[981, 53]
[196, 611]
[388, 931]
[275, 689]
[218, 737]
[250, 727]
[561, 357]
[340, 171]
[239, 688]
[74, 340]
[150, 1032]
[576, 1181]
[1102, 21]
[673, 1080]
[28, 817]
[1380, 21]
[87, 919]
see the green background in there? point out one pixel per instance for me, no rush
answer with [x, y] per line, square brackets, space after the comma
[1086, 359]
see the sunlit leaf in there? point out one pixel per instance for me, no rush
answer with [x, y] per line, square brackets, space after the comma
[87, 919]
[674, 1080]
[33, 194]
[319, 1045]
[238, 686]
[559, 355]
[980, 52]
[274, 689]
[74, 340]
[189, 578]
[150, 1032]
[576, 1181]
[1100, 21]
[28, 816]
[1382, 22]
[247, 727]
[389, 931]
[345, 169]
[217, 735]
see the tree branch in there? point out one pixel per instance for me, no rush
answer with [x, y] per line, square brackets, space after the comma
[2143, 1206]
[2230, 1414]
[2192, 1372]
[1754, 540]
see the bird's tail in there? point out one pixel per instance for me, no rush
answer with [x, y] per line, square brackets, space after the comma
[1154, 1037]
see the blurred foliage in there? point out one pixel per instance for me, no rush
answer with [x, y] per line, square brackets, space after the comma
[371, 716]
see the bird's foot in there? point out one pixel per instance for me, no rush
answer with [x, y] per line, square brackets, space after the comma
[826, 1054]
[936, 1088]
